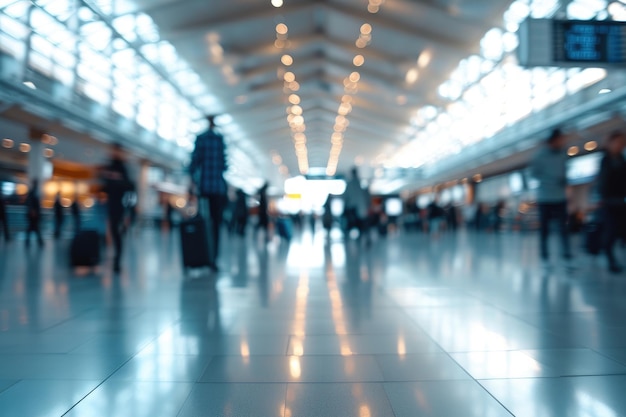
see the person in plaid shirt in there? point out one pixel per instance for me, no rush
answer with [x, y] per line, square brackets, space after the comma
[208, 164]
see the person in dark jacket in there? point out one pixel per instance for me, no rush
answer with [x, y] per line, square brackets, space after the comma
[612, 190]
[208, 164]
[75, 210]
[58, 216]
[33, 213]
[116, 184]
[264, 216]
[240, 213]
[4, 221]
[549, 168]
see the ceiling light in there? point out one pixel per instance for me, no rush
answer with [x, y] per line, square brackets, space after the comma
[286, 60]
[289, 77]
[355, 77]
[297, 110]
[7, 143]
[48, 153]
[277, 3]
[411, 76]
[366, 29]
[591, 146]
[30, 85]
[24, 147]
[573, 150]
[358, 60]
[372, 8]
[294, 86]
[294, 99]
[279, 43]
[282, 29]
[604, 91]
[361, 43]
[424, 58]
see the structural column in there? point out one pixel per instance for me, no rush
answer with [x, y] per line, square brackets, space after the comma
[142, 188]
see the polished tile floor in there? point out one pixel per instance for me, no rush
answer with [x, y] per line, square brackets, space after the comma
[465, 325]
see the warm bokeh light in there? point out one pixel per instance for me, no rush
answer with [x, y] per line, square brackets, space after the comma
[24, 147]
[286, 60]
[358, 60]
[592, 145]
[7, 143]
[289, 77]
[366, 29]
[355, 77]
[573, 150]
[412, 75]
[282, 29]
[424, 58]
[294, 99]
[48, 153]
[277, 3]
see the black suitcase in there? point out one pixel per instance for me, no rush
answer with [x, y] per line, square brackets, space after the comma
[194, 243]
[85, 249]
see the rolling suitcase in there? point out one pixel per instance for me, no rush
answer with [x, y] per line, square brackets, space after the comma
[194, 243]
[85, 249]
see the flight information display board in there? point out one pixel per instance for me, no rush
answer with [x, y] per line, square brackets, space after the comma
[589, 41]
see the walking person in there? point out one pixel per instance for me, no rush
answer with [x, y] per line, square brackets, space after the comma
[240, 213]
[75, 210]
[33, 213]
[4, 221]
[116, 184]
[357, 205]
[612, 190]
[58, 216]
[208, 164]
[264, 215]
[549, 168]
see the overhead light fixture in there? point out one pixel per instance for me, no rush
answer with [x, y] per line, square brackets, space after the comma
[605, 91]
[30, 85]
[358, 60]
[277, 3]
[48, 153]
[7, 143]
[573, 151]
[286, 60]
[24, 147]
[366, 29]
[282, 29]
[294, 99]
[424, 58]
[411, 76]
[592, 145]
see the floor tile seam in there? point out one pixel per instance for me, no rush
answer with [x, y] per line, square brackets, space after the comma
[101, 383]
[15, 382]
[610, 357]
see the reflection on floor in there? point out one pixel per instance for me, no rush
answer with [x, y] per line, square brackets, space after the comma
[463, 325]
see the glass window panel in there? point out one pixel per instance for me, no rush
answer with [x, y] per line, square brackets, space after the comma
[41, 45]
[65, 58]
[40, 63]
[125, 25]
[147, 121]
[62, 9]
[13, 27]
[63, 74]
[146, 28]
[12, 47]
[96, 93]
[18, 9]
[124, 108]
